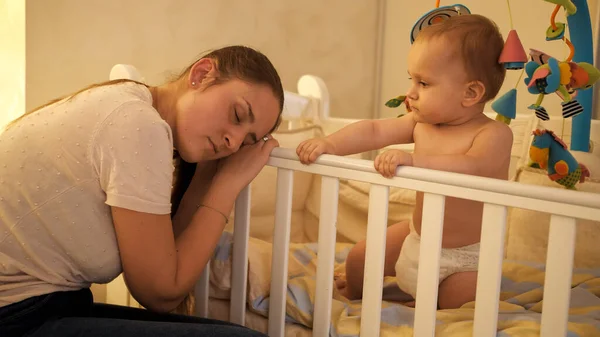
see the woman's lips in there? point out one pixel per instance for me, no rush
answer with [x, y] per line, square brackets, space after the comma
[213, 145]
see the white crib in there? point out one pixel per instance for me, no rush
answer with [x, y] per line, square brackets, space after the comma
[311, 103]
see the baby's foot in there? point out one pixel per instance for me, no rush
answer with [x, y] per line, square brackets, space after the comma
[410, 304]
[341, 284]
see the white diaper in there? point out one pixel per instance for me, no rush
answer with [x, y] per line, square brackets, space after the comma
[452, 260]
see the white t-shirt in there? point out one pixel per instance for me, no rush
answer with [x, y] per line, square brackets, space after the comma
[61, 169]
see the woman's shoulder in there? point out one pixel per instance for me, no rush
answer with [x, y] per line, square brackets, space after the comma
[121, 91]
[124, 99]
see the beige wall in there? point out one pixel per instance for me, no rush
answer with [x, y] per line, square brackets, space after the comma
[71, 43]
[530, 19]
[12, 57]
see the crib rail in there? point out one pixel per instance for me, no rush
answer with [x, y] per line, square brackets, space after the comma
[563, 205]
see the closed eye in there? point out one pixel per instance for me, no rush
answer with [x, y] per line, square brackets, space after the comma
[237, 117]
[248, 118]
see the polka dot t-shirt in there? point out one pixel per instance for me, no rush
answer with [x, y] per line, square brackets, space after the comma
[61, 169]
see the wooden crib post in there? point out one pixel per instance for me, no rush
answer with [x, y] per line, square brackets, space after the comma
[489, 274]
[239, 266]
[201, 291]
[559, 271]
[429, 264]
[281, 244]
[326, 248]
[375, 255]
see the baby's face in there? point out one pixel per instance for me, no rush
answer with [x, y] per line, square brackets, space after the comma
[438, 82]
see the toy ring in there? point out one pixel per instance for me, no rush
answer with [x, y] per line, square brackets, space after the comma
[436, 16]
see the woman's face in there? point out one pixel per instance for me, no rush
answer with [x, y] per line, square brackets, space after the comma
[214, 121]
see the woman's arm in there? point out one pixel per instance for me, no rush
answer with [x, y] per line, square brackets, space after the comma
[194, 195]
[160, 270]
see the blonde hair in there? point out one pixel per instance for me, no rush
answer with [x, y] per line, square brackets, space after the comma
[479, 43]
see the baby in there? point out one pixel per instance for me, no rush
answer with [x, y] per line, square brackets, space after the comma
[454, 70]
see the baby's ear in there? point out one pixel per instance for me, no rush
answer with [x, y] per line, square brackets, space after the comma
[474, 92]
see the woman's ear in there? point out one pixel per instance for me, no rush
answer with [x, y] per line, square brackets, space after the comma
[202, 73]
[474, 92]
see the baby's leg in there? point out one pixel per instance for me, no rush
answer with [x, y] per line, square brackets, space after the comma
[457, 289]
[351, 286]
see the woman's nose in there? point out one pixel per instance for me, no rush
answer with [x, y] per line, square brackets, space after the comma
[233, 141]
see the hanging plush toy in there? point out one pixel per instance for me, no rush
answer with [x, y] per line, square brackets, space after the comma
[546, 75]
[549, 152]
[562, 78]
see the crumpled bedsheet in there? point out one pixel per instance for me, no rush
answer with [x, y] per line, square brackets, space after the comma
[520, 306]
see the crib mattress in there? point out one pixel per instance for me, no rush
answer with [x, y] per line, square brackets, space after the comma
[520, 306]
[219, 309]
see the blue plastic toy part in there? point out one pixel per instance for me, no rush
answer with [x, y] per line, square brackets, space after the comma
[435, 16]
[513, 65]
[580, 32]
[546, 84]
[553, 80]
[506, 105]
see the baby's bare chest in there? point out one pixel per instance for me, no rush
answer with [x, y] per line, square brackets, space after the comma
[436, 140]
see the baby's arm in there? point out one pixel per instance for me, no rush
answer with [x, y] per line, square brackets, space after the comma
[490, 150]
[371, 135]
[359, 137]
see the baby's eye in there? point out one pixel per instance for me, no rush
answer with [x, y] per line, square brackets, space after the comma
[423, 83]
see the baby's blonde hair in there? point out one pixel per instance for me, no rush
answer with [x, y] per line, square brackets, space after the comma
[479, 43]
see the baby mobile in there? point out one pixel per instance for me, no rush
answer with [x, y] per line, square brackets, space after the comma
[545, 75]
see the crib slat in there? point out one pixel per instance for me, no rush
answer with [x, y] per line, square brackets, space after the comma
[239, 268]
[489, 275]
[281, 243]
[326, 249]
[133, 302]
[559, 269]
[116, 292]
[375, 255]
[429, 264]
[201, 293]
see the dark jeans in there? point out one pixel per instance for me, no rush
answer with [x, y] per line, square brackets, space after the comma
[73, 313]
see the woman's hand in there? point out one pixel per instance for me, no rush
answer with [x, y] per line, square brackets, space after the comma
[240, 168]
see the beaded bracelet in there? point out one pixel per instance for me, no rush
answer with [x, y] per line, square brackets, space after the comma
[216, 210]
